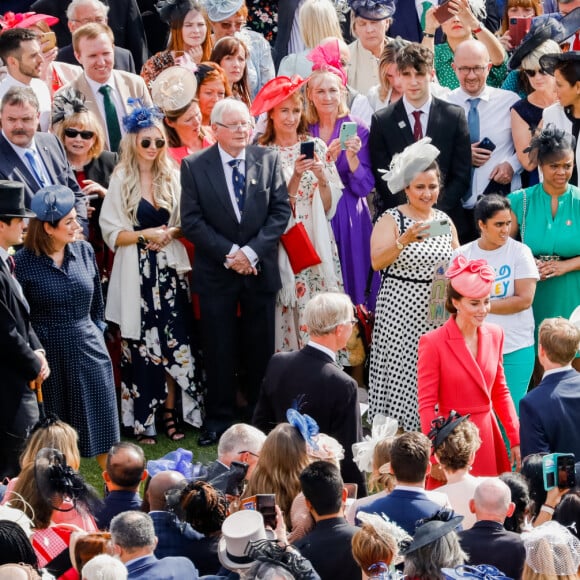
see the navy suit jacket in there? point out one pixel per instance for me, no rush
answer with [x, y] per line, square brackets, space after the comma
[326, 393]
[116, 502]
[123, 58]
[550, 415]
[55, 162]
[489, 542]
[150, 568]
[404, 507]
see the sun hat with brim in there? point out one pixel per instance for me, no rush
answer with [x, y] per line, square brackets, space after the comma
[549, 62]
[533, 39]
[471, 278]
[430, 531]
[275, 92]
[12, 200]
[372, 9]
[11, 20]
[238, 530]
[218, 10]
[174, 89]
[52, 203]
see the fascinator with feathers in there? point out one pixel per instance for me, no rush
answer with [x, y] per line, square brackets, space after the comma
[66, 103]
[305, 424]
[363, 452]
[270, 551]
[549, 140]
[471, 278]
[171, 11]
[442, 427]
[386, 527]
[141, 117]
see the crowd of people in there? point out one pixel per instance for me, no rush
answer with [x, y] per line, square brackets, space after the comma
[200, 203]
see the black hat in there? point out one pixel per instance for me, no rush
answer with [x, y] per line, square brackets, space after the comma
[12, 200]
[549, 62]
[431, 529]
[441, 427]
[373, 9]
[538, 34]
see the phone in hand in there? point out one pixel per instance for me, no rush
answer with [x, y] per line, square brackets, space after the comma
[307, 149]
[442, 12]
[518, 28]
[266, 505]
[487, 144]
[438, 228]
[559, 470]
[347, 130]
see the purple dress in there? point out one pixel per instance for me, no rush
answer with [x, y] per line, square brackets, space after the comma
[352, 224]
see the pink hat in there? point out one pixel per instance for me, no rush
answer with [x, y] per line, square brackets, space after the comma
[471, 278]
[24, 20]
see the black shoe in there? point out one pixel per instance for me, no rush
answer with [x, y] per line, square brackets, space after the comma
[207, 438]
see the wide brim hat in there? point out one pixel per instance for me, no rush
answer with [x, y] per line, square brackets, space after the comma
[373, 9]
[238, 530]
[12, 200]
[174, 89]
[218, 10]
[549, 62]
[537, 35]
[11, 20]
[430, 532]
[52, 203]
[275, 92]
[471, 278]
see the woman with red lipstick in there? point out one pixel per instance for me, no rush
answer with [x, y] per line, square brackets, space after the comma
[461, 368]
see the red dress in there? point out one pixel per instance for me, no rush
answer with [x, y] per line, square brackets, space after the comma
[449, 378]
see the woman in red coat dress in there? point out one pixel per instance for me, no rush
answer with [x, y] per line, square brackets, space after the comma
[460, 368]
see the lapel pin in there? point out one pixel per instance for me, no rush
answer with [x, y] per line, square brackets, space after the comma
[253, 182]
[402, 124]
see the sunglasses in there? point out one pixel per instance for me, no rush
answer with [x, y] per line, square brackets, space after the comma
[73, 133]
[532, 73]
[159, 143]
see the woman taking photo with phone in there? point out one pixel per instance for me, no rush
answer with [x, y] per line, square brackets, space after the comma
[314, 191]
[408, 256]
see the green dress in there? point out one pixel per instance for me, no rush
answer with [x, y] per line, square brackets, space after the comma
[545, 235]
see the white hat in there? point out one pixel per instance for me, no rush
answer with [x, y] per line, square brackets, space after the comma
[174, 89]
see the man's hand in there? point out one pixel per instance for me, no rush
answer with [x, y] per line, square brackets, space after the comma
[239, 263]
[479, 156]
[503, 173]
[44, 368]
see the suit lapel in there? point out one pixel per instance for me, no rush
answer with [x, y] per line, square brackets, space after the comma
[433, 122]
[124, 90]
[91, 103]
[217, 178]
[47, 159]
[402, 122]
[20, 170]
[253, 180]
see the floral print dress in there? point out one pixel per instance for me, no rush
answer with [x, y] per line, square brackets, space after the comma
[291, 333]
[263, 18]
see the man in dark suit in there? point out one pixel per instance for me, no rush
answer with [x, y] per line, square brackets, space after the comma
[234, 207]
[82, 12]
[328, 545]
[418, 114]
[311, 378]
[32, 158]
[408, 502]
[550, 413]
[133, 539]
[488, 542]
[22, 360]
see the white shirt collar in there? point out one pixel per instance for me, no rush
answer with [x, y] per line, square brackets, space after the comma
[226, 157]
[485, 95]
[95, 86]
[558, 370]
[425, 107]
[20, 151]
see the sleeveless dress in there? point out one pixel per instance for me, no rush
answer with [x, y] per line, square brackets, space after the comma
[401, 318]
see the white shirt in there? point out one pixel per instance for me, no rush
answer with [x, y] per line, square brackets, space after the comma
[100, 100]
[494, 123]
[21, 152]
[425, 109]
[558, 370]
[41, 91]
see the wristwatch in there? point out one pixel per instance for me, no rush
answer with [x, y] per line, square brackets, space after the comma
[400, 246]
[141, 240]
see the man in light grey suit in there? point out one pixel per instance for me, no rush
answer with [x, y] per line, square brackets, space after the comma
[106, 90]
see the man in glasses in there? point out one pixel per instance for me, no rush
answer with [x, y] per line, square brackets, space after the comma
[234, 208]
[496, 168]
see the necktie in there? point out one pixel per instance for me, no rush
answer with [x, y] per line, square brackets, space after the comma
[111, 117]
[35, 167]
[473, 119]
[417, 127]
[576, 42]
[239, 181]
[11, 264]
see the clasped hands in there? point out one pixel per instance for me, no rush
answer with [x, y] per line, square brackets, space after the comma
[238, 262]
[158, 238]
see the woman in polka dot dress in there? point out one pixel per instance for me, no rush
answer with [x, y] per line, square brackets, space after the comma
[410, 256]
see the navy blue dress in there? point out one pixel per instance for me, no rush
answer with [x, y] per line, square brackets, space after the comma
[67, 313]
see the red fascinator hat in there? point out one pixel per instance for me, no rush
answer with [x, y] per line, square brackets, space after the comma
[275, 92]
[24, 20]
[471, 278]
[326, 56]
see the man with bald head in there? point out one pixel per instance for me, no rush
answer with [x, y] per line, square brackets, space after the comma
[488, 112]
[488, 542]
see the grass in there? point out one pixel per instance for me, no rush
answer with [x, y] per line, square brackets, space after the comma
[91, 471]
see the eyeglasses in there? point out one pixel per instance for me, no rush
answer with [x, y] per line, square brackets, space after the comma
[73, 133]
[238, 127]
[532, 73]
[159, 143]
[471, 69]
[246, 451]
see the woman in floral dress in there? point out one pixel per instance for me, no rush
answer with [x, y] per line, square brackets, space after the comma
[148, 293]
[314, 189]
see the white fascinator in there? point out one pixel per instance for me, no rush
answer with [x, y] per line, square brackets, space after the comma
[362, 452]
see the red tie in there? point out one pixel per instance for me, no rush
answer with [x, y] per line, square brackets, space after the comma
[576, 42]
[11, 264]
[417, 128]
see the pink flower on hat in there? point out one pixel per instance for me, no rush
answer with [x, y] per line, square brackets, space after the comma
[471, 278]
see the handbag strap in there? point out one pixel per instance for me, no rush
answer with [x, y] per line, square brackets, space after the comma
[523, 226]
[401, 232]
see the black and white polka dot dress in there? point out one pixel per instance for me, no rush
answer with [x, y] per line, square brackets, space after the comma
[401, 318]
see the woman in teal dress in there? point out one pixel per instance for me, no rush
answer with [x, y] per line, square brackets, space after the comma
[547, 216]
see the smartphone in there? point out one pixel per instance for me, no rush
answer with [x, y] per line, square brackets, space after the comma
[438, 228]
[442, 12]
[351, 490]
[307, 149]
[266, 505]
[236, 477]
[487, 143]
[347, 130]
[558, 469]
[518, 28]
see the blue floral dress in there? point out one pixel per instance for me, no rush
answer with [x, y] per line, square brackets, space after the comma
[164, 345]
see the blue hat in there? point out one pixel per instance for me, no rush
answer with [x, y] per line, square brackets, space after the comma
[52, 203]
[218, 10]
[372, 9]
